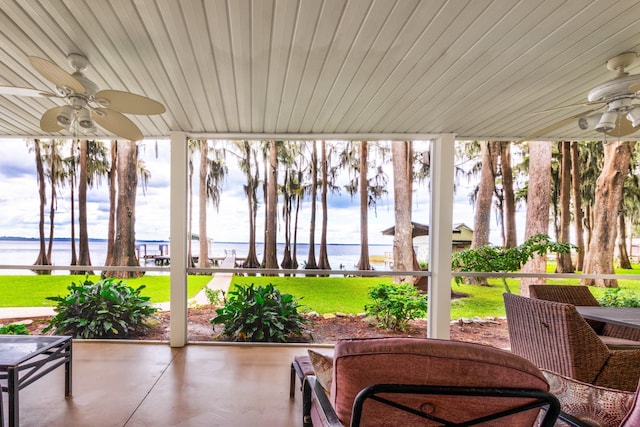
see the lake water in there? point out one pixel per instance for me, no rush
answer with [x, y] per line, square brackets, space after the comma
[25, 252]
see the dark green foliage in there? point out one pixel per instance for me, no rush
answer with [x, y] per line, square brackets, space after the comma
[105, 309]
[394, 305]
[14, 329]
[261, 314]
[617, 297]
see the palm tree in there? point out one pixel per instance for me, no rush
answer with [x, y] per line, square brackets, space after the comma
[271, 226]
[71, 166]
[248, 162]
[403, 256]
[292, 190]
[509, 215]
[203, 257]
[56, 173]
[111, 227]
[564, 262]
[577, 203]
[328, 178]
[127, 169]
[93, 165]
[609, 188]
[486, 189]
[313, 172]
[370, 190]
[42, 259]
[538, 198]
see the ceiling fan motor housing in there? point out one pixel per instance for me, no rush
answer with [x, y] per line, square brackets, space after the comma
[614, 89]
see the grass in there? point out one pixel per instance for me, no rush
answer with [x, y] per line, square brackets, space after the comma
[32, 291]
[320, 294]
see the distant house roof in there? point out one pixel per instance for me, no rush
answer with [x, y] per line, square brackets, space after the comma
[423, 229]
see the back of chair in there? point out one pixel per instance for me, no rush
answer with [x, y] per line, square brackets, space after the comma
[576, 295]
[568, 294]
[406, 361]
[554, 336]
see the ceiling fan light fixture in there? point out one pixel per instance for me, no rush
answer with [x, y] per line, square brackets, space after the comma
[65, 116]
[634, 117]
[586, 122]
[84, 119]
[607, 121]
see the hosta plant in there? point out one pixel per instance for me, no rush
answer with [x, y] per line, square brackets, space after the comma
[107, 308]
[261, 314]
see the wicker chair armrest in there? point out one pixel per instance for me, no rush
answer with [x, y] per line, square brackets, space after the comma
[621, 371]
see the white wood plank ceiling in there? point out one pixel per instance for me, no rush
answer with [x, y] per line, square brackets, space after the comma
[325, 67]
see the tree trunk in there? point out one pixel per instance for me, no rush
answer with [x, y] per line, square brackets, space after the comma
[190, 262]
[564, 263]
[577, 204]
[486, 189]
[203, 257]
[511, 239]
[270, 247]
[72, 196]
[53, 172]
[287, 208]
[403, 235]
[311, 258]
[363, 263]
[250, 191]
[42, 254]
[125, 240]
[538, 197]
[323, 261]
[623, 255]
[609, 186]
[113, 183]
[83, 245]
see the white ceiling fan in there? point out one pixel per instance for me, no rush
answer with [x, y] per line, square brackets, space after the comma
[85, 106]
[618, 97]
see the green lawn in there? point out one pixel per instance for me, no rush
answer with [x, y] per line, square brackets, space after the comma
[31, 291]
[321, 294]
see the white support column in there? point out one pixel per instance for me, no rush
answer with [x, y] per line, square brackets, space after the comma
[178, 238]
[440, 236]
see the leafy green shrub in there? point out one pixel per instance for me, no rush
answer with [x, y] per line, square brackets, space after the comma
[214, 296]
[260, 314]
[394, 305]
[14, 329]
[105, 309]
[616, 297]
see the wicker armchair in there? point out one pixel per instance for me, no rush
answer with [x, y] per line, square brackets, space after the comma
[581, 295]
[554, 336]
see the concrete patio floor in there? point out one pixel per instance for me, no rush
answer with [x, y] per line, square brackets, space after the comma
[152, 384]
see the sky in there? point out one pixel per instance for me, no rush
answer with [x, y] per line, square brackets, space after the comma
[19, 204]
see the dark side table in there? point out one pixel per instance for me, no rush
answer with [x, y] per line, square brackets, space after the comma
[26, 358]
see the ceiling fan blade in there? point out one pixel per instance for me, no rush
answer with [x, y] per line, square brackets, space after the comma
[117, 123]
[23, 91]
[49, 120]
[128, 103]
[56, 75]
[556, 125]
[623, 128]
[563, 107]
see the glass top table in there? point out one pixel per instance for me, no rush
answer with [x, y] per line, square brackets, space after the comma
[623, 316]
[26, 358]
